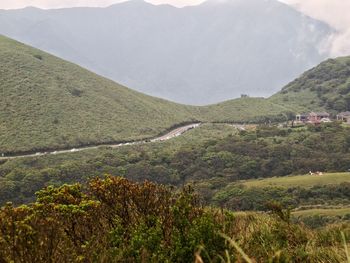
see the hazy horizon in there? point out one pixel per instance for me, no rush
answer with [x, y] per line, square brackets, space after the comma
[52, 4]
[334, 13]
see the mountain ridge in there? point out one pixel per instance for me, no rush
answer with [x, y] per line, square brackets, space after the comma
[193, 55]
[324, 87]
[49, 103]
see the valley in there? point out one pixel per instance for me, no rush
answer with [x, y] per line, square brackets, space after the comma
[208, 165]
[49, 101]
[194, 55]
[53, 104]
[93, 171]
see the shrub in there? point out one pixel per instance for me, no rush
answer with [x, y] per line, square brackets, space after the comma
[115, 220]
[37, 56]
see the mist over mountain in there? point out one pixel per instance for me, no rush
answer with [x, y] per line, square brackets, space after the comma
[195, 55]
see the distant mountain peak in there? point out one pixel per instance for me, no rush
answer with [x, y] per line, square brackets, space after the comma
[30, 8]
[234, 2]
[132, 3]
[195, 55]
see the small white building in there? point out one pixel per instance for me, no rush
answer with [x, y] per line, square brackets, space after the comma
[344, 117]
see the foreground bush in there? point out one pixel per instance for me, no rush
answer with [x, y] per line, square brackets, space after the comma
[114, 220]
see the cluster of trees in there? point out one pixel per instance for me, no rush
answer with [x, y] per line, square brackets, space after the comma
[261, 153]
[114, 220]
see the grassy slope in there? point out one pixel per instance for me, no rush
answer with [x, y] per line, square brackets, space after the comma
[287, 182]
[324, 212]
[299, 180]
[244, 109]
[50, 103]
[47, 102]
[325, 87]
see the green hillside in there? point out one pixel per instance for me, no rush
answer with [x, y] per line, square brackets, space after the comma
[246, 110]
[48, 103]
[325, 87]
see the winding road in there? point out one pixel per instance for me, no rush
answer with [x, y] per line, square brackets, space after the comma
[172, 134]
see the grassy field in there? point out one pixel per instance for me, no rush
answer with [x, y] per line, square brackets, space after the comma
[48, 103]
[299, 180]
[322, 212]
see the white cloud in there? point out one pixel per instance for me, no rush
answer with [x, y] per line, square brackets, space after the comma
[334, 12]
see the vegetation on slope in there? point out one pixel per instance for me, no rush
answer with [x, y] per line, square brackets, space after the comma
[325, 87]
[47, 103]
[212, 157]
[319, 217]
[247, 110]
[299, 180]
[21, 178]
[114, 220]
[319, 211]
[241, 197]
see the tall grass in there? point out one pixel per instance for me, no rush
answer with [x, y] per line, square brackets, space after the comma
[345, 247]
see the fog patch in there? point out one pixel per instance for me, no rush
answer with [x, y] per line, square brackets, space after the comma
[336, 14]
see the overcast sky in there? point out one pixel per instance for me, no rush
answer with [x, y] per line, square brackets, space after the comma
[6, 4]
[334, 12]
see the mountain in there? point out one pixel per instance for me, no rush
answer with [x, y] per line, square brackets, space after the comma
[194, 55]
[46, 102]
[325, 87]
[49, 103]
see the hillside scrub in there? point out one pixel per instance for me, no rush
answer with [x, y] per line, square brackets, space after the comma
[47, 103]
[211, 164]
[325, 87]
[114, 220]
